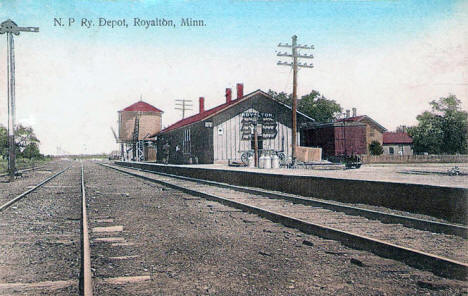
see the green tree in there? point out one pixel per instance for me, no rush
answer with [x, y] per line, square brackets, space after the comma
[428, 135]
[319, 107]
[25, 139]
[313, 104]
[24, 136]
[3, 142]
[442, 131]
[375, 148]
[31, 151]
[282, 97]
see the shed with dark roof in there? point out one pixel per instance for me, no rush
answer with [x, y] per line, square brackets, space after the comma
[397, 143]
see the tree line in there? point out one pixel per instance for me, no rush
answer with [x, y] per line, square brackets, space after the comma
[443, 130]
[314, 105]
[26, 143]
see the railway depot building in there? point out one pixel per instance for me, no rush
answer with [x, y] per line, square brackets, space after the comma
[225, 133]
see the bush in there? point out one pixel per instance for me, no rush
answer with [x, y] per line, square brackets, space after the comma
[375, 148]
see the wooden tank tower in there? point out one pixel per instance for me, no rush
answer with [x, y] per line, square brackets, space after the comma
[136, 123]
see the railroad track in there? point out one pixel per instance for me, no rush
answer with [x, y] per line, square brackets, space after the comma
[443, 254]
[86, 281]
[40, 226]
[97, 246]
[61, 231]
[24, 194]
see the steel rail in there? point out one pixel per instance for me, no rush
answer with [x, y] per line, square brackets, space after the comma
[86, 283]
[422, 224]
[437, 264]
[6, 205]
[24, 170]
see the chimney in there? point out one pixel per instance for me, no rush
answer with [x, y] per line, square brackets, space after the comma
[347, 113]
[201, 102]
[240, 90]
[354, 112]
[228, 95]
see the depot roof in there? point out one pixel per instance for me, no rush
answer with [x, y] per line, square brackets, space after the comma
[213, 111]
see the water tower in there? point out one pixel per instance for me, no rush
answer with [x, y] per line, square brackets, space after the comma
[136, 123]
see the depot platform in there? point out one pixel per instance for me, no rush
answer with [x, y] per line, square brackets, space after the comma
[420, 189]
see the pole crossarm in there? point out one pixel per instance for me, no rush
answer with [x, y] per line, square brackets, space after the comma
[305, 65]
[284, 45]
[303, 56]
[10, 26]
[300, 65]
[305, 47]
[284, 64]
[296, 46]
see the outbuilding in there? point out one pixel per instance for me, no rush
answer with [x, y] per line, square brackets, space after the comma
[226, 132]
[397, 143]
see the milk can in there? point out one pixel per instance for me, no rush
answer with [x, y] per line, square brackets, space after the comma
[251, 161]
[275, 162]
[261, 162]
[267, 162]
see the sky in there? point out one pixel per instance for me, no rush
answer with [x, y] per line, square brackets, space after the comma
[388, 59]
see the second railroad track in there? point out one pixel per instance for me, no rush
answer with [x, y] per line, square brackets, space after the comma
[429, 245]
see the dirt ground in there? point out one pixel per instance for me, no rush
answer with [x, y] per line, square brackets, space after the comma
[164, 242]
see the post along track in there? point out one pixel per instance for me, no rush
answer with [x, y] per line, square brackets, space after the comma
[381, 239]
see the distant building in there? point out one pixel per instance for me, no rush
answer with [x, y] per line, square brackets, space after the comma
[225, 132]
[398, 143]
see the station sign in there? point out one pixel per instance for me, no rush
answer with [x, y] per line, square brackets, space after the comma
[264, 122]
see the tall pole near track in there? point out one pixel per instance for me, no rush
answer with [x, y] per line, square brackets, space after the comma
[295, 65]
[9, 27]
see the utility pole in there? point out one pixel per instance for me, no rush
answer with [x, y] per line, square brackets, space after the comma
[295, 54]
[183, 105]
[9, 27]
